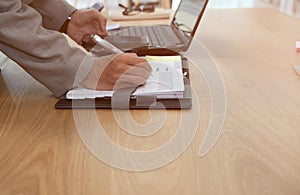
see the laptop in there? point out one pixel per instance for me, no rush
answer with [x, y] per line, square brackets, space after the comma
[162, 39]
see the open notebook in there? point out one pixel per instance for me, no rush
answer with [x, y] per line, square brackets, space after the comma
[165, 81]
[168, 87]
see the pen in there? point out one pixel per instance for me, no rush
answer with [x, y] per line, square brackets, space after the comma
[107, 45]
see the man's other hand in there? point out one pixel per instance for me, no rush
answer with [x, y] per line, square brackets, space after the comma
[85, 22]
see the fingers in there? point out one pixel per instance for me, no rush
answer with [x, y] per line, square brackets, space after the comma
[128, 81]
[85, 22]
[102, 25]
[101, 21]
[135, 75]
[125, 70]
[140, 70]
[131, 59]
[130, 64]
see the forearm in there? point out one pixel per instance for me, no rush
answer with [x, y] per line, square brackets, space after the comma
[43, 53]
[54, 12]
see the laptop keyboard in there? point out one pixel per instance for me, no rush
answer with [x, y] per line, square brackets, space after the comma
[157, 35]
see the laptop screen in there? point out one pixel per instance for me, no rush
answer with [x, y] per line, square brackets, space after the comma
[188, 15]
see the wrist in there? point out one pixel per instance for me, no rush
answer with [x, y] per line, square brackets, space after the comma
[64, 27]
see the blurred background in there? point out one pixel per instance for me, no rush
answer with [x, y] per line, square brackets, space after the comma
[291, 7]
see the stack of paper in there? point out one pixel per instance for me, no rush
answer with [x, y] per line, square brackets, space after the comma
[165, 81]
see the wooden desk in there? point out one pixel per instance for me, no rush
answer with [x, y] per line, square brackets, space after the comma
[258, 151]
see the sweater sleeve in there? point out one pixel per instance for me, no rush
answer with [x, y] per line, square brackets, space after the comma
[43, 53]
[53, 12]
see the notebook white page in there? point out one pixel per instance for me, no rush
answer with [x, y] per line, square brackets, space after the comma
[165, 81]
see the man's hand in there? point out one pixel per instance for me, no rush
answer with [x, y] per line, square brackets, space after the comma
[121, 71]
[85, 22]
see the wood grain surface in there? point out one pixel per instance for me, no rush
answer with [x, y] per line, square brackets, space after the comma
[258, 151]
